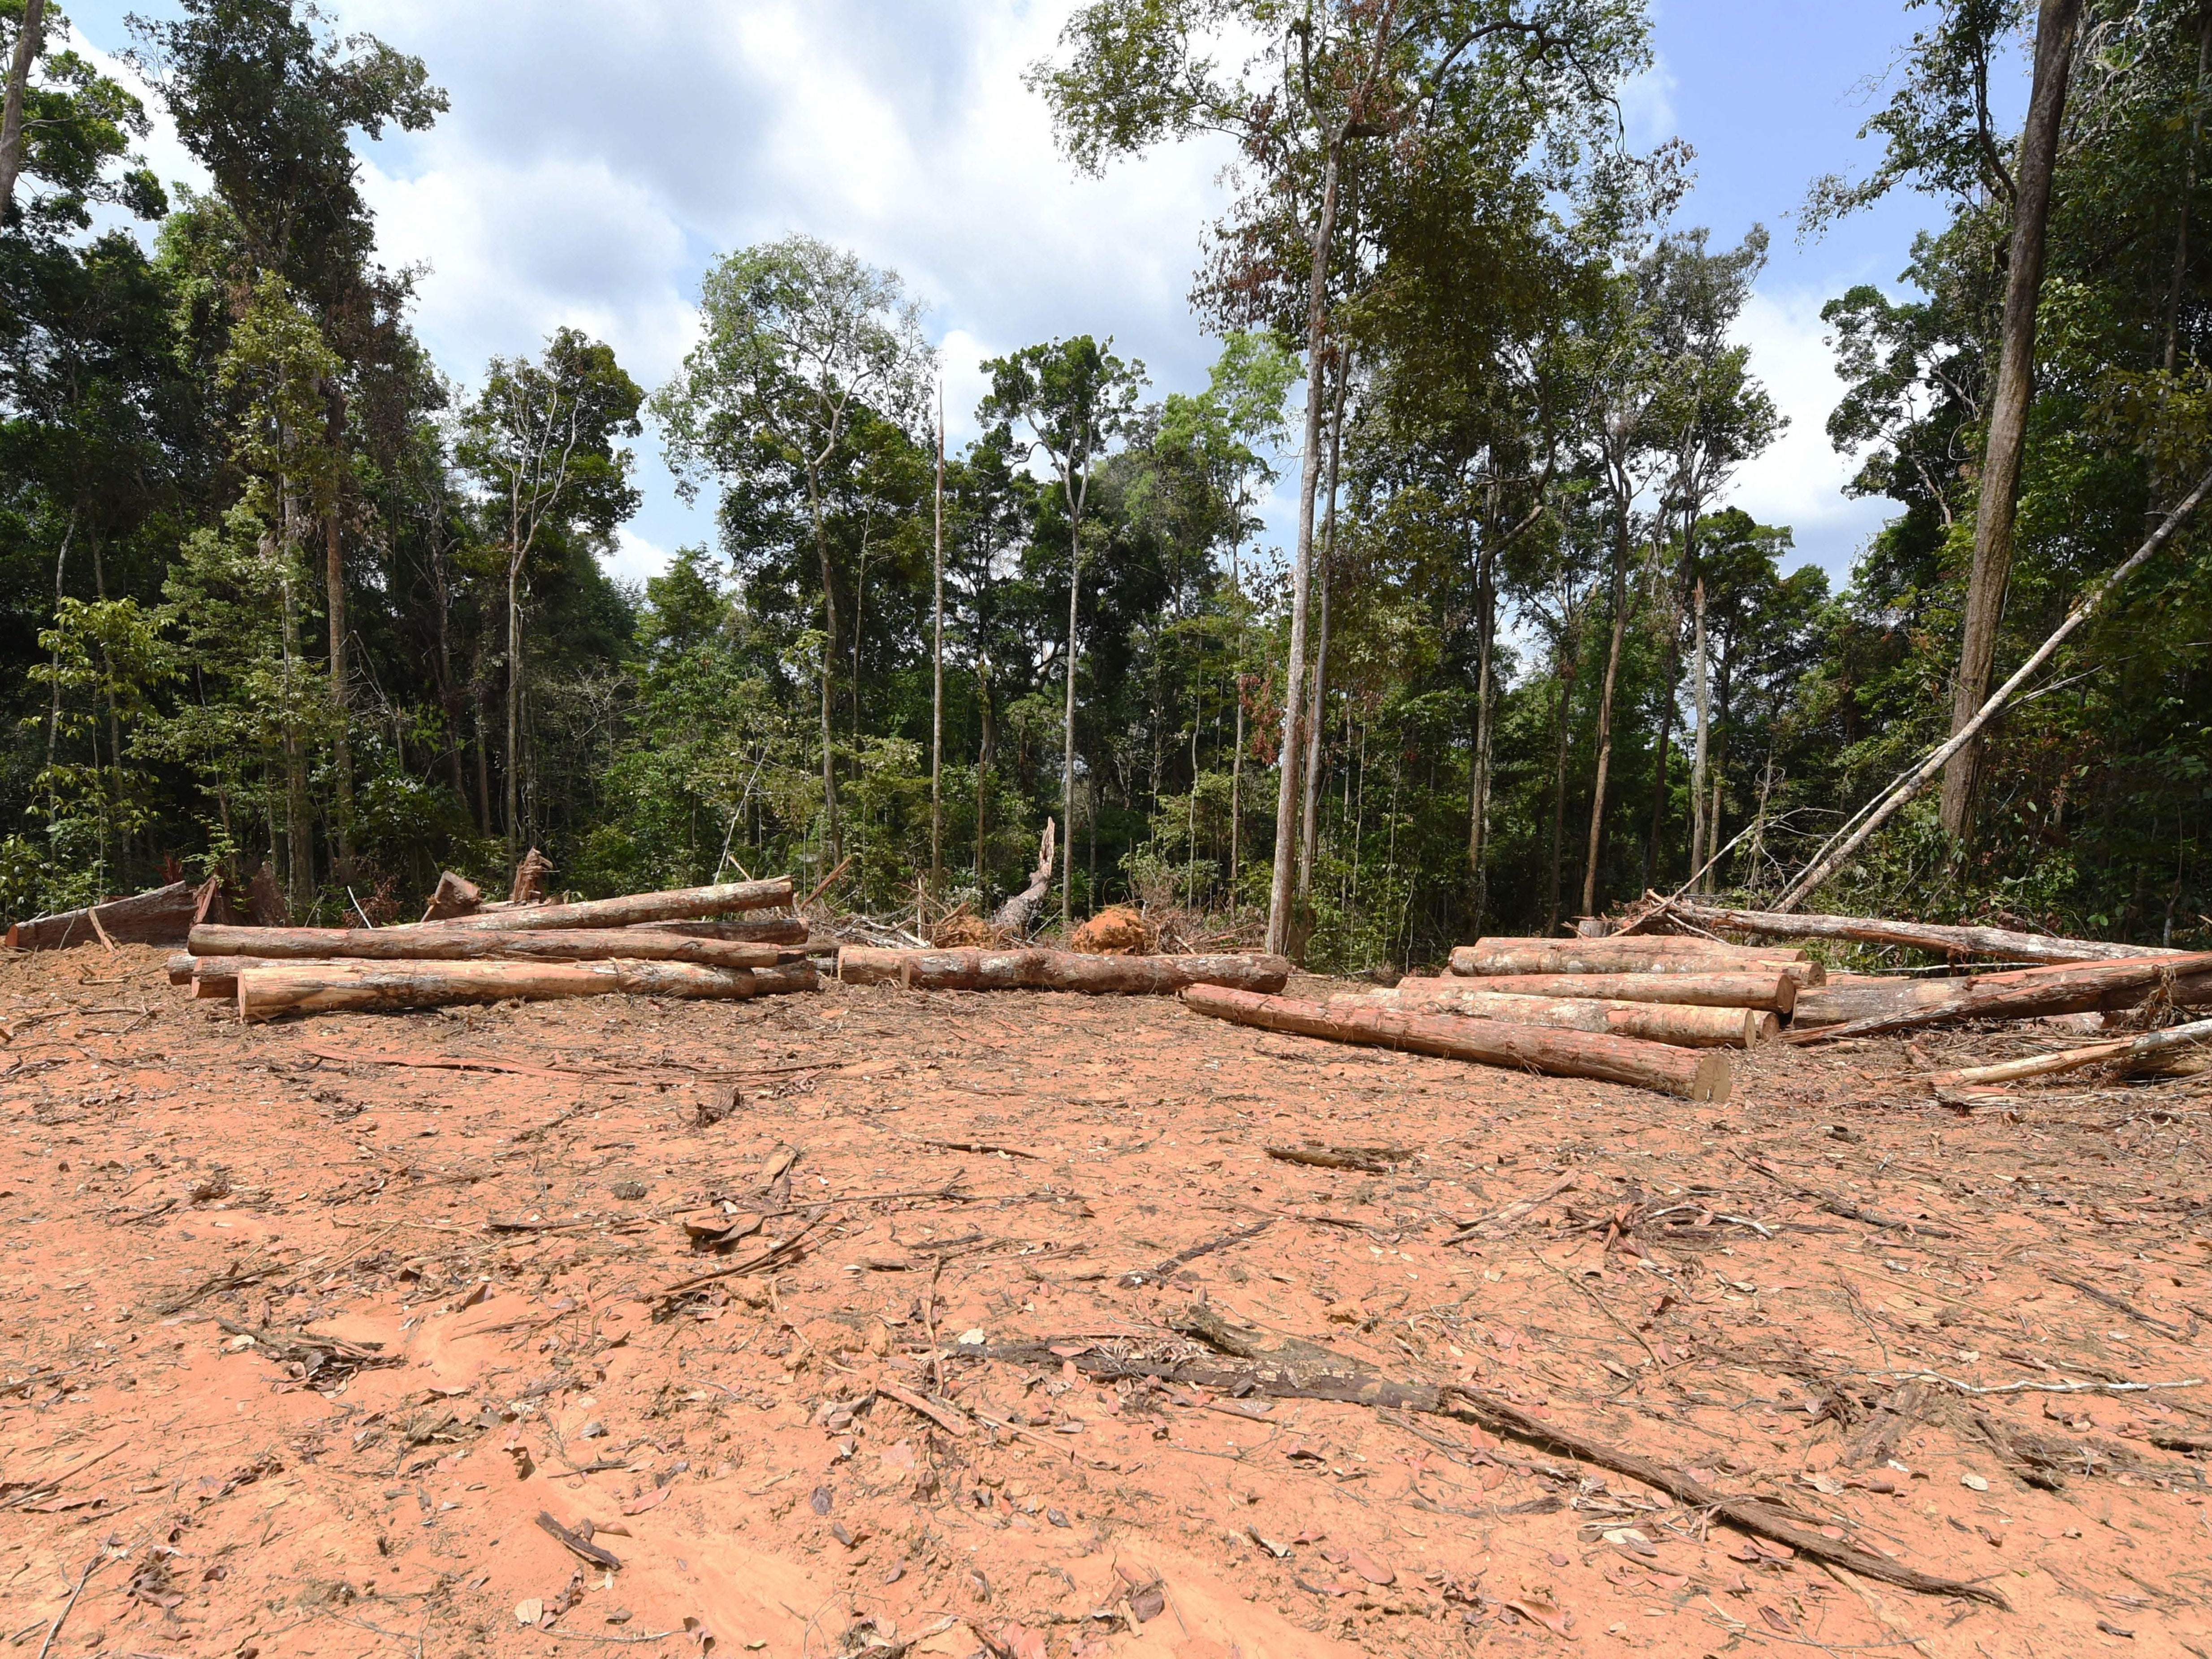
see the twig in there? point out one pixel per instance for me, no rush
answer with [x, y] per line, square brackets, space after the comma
[2063, 1386]
[929, 1324]
[1512, 1211]
[55, 1629]
[1633, 1333]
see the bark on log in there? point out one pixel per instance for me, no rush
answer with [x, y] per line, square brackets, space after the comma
[1645, 945]
[1682, 1025]
[978, 970]
[751, 930]
[1490, 957]
[1688, 1074]
[679, 904]
[322, 987]
[2175, 1042]
[2026, 993]
[432, 943]
[1772, 990]
[1999, 942]
[162, 916]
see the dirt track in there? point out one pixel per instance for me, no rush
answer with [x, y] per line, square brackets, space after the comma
[476, 1259]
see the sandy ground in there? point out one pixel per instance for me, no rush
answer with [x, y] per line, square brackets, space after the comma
[299, 1347]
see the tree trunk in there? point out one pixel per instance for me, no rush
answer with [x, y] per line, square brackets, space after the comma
[435, 942]
[1683, 1026]
[1605, 716]
[1701, 825]
[54, 713]
[1236, 757]
[986, 755]
[1067, 721]
[830, 837]
[1669, 673]
[29, 37]
[1308, 838]
[1477, 786]
[514, 703]
[1727, 985]
[1999, 502]
[484, 768]
[676, 904]
[335, 599]
[1487, 957]
[973, 969]
[1872, 1008]
[1287, 792]
[1563, 680]
[937, 669]
[299, 851]
[1998, 942]
[1683, 1073]
[325, 988]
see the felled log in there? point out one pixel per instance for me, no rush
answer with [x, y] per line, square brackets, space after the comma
[1772, 990]
[161, 916]
[2001, 942]
[529, 884]
[2152, 1048]
[454, 895]
[307, 988]
[432, 943]
[1682, 1024]
[1489, 957]
[2082, 987]
[751, 930]
[1688, 1073]
[677, 904]
[978, 970]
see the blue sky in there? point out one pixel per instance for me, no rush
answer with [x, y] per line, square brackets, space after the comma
[596, 158]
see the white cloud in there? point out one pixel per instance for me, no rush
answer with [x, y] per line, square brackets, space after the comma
[1800, 480]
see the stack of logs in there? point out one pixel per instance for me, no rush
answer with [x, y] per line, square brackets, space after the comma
[2071, 976]
[691, 943]
[1642, 1012]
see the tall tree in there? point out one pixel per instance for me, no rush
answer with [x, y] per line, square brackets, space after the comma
[1075, 398]
[543, 442]
[30, 36]
[800, 337]
[1317, 86]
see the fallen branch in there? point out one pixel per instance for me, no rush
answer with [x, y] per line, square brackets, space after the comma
[1846, 842]
[665, 1298]
[1664, 954]
[2000, 942]
[2124, 1052]
[265, 992]
[1296, 1369]
[433, 942]
[1686, 1025]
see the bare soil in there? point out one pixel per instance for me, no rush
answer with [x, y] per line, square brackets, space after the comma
[298, 1347]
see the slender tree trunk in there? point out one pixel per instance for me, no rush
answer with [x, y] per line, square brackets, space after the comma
[986, 754]
[1236, 757]
[54, 713]
[1067, 730]
[448, 692]
[299, 848]
[341, 702]
[1308, 840]
[937, 670]
[1998, 506]
[114, 722]
[1670, 674]
[1478, 786]
[829, 837]
[1605, 716]
[514, 703]
[2188, 188]
[1287, 793]
[1704, 842]
[1563, 677]
[29, 34]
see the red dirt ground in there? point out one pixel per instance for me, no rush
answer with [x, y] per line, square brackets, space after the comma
[207, 1226]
